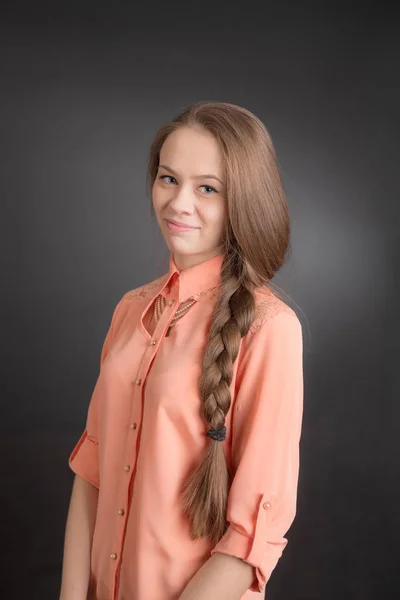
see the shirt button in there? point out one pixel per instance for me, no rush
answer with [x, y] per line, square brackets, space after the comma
[266, 505]
[170, 302]
[152, 342]
[138, 381]
[133, 425]
[113, 556]
[121, 511]
[127, 467]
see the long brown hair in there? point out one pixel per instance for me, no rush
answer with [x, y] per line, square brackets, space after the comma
[257, 238]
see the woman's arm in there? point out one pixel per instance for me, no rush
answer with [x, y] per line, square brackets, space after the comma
[78, 540]
[84, 462]
[223, 576]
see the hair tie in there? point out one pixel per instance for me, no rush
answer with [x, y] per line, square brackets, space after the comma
[217, 434]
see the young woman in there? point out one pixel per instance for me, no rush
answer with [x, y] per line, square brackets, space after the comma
[187, 470]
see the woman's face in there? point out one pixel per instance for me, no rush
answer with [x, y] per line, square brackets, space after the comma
[189, 188]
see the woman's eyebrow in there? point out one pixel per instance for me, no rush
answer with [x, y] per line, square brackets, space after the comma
[207, 176]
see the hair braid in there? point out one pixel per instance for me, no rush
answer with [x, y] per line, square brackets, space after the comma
[205, 492]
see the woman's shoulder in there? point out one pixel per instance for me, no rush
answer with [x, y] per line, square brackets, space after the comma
[275, 326]
[268, 305]
[144, 291]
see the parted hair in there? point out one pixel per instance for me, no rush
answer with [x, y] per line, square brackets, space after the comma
[256, 241]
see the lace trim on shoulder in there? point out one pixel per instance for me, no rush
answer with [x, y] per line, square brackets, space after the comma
[145, 290]
[266, 308]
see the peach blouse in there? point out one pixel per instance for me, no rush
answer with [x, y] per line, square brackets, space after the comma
[144, 434]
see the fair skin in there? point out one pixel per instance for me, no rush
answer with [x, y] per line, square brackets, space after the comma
[78, 540]
[222, 577]
[182, 192]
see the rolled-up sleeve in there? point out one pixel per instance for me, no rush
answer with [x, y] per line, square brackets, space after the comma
[84, 458]
[266, 430]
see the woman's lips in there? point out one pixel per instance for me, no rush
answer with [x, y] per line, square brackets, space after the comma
[174, 227]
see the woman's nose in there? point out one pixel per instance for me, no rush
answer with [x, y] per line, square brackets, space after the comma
[182, 199]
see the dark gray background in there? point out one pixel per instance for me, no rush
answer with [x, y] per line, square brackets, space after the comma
[84, 88]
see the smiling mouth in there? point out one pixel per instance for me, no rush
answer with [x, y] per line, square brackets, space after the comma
[174, 227]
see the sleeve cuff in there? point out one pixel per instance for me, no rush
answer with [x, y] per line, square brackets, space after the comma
[84, 460]
[257, 551]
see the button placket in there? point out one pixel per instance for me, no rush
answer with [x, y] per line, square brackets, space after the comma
[161, 327]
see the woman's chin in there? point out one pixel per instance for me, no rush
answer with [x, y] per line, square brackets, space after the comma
[180, 247]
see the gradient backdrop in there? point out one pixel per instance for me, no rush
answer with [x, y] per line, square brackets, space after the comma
[84, 88]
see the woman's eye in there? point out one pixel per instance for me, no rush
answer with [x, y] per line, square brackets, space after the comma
[166, 176]
[209, 187]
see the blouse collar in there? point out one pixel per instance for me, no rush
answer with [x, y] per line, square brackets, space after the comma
[191, 282]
